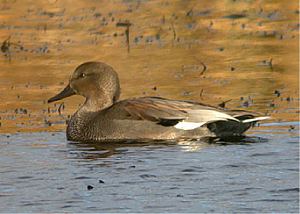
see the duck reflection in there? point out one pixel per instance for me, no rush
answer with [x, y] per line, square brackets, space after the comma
[93, 151]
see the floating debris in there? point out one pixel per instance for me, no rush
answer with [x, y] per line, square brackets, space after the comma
[148, 176]
[203, 65]
[52, 14]
[272, 105]
[204, 68]
[20, 111]
[204, 13]
[235, 16]
[5, 48]
[60, 108]
[190, 13]
[275, 15]
[157, 36]
[222, 104]
[291, 128]
[89, 187]
[268, 63]
[246, 104]
[277, 93]
[149, 39]
[47, 122]
[186, 93]
[97, 15]
[174, 32]
[126, 24]
[201, 93]
[5, 45]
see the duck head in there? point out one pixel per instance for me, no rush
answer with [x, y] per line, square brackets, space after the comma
[96, 81]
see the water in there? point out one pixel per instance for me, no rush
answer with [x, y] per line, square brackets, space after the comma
[207, 51]
[42, 172]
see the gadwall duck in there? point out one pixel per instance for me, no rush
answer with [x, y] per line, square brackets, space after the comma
[105, 118]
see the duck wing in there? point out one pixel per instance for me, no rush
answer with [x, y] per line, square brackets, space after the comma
[184, 115]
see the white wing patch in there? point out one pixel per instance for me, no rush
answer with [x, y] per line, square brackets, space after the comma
[188, 125]
[199, 117]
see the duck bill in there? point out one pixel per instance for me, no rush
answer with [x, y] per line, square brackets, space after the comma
[67, 92]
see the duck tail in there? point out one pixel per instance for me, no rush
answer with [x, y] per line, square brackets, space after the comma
[255, 119]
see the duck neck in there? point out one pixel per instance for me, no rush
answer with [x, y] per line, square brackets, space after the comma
[93, 104]
[83, 117]
[81, 120]
[100, 99]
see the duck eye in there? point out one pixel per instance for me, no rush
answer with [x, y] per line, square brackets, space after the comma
[82, 75]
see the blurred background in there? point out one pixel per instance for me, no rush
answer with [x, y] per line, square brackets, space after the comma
[245, 51]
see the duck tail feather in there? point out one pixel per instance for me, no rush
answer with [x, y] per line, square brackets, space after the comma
[255, 119]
